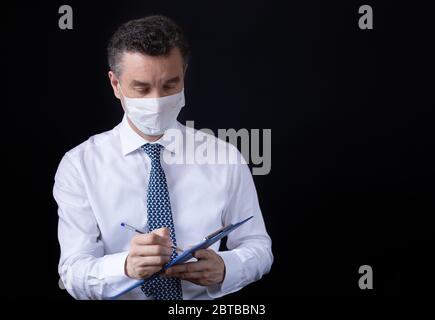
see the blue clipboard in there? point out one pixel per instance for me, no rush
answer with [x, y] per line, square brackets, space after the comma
[188, 254]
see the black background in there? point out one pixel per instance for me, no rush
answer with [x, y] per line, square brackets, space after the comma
[351, 113]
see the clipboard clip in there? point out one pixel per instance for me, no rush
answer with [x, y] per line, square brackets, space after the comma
[211, 235]
[226, 228]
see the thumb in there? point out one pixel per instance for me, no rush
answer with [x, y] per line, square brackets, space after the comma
[162, 232]
[202, 254]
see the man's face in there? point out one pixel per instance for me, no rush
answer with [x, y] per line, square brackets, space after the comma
[144, 76]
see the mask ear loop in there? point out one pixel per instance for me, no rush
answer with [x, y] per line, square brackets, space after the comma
[123, 97]
[120, 89]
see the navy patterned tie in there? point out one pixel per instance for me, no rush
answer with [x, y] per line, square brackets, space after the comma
[159, 216]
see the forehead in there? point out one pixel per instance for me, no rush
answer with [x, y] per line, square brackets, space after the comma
[135, 65]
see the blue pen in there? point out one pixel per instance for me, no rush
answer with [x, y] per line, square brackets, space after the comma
[125, 225]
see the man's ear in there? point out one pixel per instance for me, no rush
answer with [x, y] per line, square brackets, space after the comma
[114, 82]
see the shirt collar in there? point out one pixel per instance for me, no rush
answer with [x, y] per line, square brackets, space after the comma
[131, 141]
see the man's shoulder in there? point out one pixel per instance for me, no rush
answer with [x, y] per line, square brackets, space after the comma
[95, 144]
[87, 154]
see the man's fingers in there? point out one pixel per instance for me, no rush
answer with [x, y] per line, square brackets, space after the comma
[189, 275]
[187, 267]
[152, 238]
[152, 250]
[147, 271]
[163, 232]
[153, 261]
[202, 253]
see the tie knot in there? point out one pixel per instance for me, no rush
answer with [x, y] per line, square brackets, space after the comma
[153, 150]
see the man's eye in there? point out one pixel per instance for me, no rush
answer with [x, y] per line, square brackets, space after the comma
[168, 87]
[142, 90]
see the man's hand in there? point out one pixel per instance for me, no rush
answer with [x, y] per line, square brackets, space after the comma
[148, 253]
[207, 271]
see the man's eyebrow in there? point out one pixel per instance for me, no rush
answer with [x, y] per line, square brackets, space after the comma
[173, 80]
[137, 83]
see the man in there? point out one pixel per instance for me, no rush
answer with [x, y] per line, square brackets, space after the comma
[121, 176]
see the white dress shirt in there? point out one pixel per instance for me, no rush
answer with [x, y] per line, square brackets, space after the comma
[103, 182]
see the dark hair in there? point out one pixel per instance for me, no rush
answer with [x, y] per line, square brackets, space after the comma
[153, 35]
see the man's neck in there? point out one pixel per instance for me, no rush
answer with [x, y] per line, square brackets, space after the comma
[144, 136]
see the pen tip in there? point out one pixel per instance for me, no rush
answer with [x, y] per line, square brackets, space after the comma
[122, 224]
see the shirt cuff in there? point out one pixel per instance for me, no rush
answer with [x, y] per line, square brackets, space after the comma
[113, 269]
[233, 276]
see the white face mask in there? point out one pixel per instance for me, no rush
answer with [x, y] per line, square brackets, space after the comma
[152, 116]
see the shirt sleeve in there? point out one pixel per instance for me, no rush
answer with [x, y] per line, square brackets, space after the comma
[249, 254]
[86, 272]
